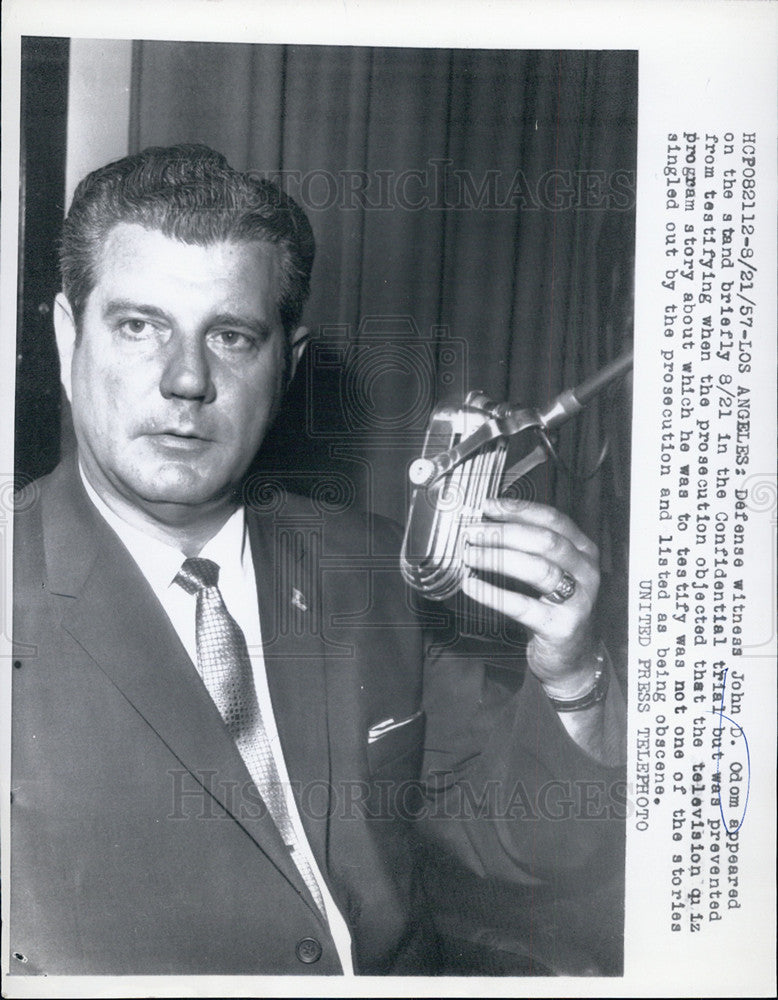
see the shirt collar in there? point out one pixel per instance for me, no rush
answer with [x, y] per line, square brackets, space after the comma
[160, 562]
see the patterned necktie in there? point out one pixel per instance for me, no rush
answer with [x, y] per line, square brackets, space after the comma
[225, 667]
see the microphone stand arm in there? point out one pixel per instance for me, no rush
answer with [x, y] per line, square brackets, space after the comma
[506, 420]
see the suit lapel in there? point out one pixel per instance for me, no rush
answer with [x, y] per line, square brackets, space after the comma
[135, 645]
[288, 578]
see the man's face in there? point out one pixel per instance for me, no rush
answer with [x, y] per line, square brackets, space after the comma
[178, 372]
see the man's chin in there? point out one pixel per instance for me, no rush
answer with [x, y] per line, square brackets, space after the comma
[184, 491]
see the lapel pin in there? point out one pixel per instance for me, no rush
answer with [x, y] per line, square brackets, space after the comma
[298, 599]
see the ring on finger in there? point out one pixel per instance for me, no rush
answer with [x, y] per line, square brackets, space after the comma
[563, 591]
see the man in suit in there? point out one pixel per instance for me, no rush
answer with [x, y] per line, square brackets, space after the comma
[226, 756]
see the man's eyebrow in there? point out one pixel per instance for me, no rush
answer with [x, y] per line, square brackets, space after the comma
[259, 326]
[117, 306]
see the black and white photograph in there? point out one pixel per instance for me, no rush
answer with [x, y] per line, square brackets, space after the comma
[338, 645]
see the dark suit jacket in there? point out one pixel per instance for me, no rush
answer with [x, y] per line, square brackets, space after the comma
[139, 844]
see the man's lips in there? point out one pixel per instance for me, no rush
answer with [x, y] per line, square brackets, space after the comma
[179, 440]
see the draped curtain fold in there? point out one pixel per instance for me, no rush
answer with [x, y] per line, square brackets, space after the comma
[474, 216]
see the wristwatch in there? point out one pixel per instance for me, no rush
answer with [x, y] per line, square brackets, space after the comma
[596, 692]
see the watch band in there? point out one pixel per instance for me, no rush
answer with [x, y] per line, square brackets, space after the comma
[596, 692]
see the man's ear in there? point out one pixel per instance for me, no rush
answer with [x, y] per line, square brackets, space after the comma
[297, 342]
[65, 330]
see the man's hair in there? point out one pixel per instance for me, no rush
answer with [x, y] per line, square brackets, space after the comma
[190, 193]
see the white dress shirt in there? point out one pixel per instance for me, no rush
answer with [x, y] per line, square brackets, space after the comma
[230, 548]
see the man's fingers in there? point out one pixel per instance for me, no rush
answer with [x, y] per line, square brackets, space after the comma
[540, 573]
[551, 621]
[515, 549]
[540, 516]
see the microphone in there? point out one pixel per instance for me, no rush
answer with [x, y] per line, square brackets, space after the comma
[463, 464]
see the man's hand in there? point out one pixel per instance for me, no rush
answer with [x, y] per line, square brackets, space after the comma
[534, 544]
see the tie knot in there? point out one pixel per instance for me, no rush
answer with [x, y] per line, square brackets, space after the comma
[196, 574]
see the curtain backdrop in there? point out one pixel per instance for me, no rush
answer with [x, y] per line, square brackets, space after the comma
[474, 216]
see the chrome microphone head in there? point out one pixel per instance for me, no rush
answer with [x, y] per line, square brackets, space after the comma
[443, 502]
[462, 466]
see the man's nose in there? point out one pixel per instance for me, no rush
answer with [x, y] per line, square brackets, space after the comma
[187, 371]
